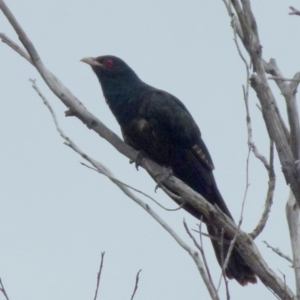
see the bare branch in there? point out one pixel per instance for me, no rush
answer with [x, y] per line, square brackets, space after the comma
[292, 214]
[279, 252]
[14, 46]
[244, 244]
[99, 275]
[225, 263]
[260, 84]
[288, 90]
[136, 190]
[283, 79]
[269, 199]
[234, 20]
[200, 248]
[223, 275]
[202, 251]
[294, 11]
[136, 284]
[232, 242]
[251, 143]
[2, 290]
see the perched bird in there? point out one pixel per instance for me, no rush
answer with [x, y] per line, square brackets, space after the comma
[158, 124]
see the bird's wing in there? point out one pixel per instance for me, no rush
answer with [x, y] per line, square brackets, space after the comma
[168, 117]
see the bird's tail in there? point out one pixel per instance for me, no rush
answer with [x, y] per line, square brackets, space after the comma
[236, 268]
[196, 174]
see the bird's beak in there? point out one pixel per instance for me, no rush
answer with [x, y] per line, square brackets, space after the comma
[91, 61]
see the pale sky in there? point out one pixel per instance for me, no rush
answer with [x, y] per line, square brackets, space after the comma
[57, 216]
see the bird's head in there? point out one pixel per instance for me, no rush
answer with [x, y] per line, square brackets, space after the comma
[115, 75]
[108, 66]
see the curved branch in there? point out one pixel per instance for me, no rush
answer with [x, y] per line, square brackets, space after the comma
[269, 199]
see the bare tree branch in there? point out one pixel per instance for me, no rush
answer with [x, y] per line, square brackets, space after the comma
[136, 284]
[138, 191]
[269, 199]
[292, 214]
[251, 144]
[294, 11]
[283, 79]
[225, 265]
[288, 90]
[99, 275]
[259, 83]
[279, 252]
[200, 248]
[244, 244]
[14, 46]
[2, 290]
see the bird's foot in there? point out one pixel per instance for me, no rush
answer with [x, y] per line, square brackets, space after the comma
[161, 177]
[140, 156]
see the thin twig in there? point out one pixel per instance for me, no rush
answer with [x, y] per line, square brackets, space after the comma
[203, 252]
[134, 189]
[137, 278]
[284, 277]
[279, 252]
[2, 290]
[251, 143]
[269, 199]
[200, 248]
[246, 188]
[99, 275]
[224, 265]
[211, 237]
[283, 79]
[232, 242]
[5, 39]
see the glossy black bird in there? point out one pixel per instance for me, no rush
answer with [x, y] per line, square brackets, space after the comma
[157, 123]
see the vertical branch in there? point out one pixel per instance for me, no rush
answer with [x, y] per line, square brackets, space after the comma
[293, 116]
[137, 278]
[99, 275]
[288, 90]
[259, 83]
[205, 275]
[292, 214]
[251, 144]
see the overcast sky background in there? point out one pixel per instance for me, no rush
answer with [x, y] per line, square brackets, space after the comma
[57, 216]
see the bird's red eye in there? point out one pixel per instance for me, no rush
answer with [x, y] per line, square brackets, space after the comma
[109, 63]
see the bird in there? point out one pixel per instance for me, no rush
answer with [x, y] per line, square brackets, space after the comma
[157, 124]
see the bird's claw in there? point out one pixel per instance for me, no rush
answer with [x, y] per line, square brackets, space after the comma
[161, 177]
[140, 156]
